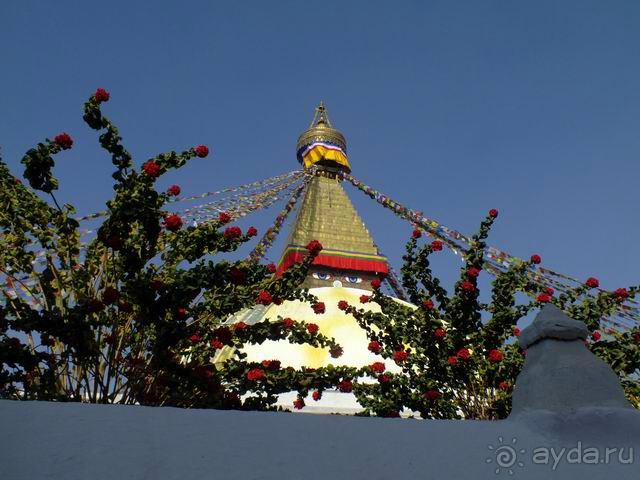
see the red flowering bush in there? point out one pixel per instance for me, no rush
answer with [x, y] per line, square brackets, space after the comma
[139, 313]
[453, 361]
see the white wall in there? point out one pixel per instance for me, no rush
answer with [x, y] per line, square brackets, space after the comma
[72, 441]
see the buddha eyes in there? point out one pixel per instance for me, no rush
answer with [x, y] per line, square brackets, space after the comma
[327, 277]
[322, 276]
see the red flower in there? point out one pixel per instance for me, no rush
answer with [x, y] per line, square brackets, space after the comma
[114, 242]
[264, 298]
[374, 347]
[433, 394]
[364, 298]
[596, 336]
[299, 404]
[64, 140]
[345, 386]
[549, 291]
[255, 374]
[271, 267]
[621, 293]
[535, 259]
[110, 295]
[436, 245]
[416, 233]
[336, 351]
[467, 286]
[173, 223]
[316, 395]
[181, 313]
[271, 364]
[195, 338]
[201, 151]
[217, 344]
[224, 217]
[231, 233]
[95, 305]
[174, 190]
[312, 328]
[636, 337]
[544, 298]
[343, 305]
[428, 304]
[439, 332]
[393, 414]
[101, 95]
[383, 378]
[452, 360]
[495, 356]
[240, 326]
[493, 213]
[592, 282]
[237, 276]
[464, 354]
[400, 355]
[375, 284]
[516, 332]
[504, 385]
[278, 301]
[473, 272]
[288, 323]
[157, 284]
[318, 308]
[377, 367]
[151, 169]
[314, 246]
[252, 232]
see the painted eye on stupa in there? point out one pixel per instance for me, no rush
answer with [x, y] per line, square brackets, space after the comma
[353, 279]
[322, 276]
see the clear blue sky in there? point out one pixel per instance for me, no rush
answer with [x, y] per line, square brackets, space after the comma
[531, 107]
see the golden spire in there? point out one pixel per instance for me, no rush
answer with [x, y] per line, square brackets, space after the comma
[322, 144]
[321, 118]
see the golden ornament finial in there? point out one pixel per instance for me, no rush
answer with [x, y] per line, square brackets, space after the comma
[321, 117]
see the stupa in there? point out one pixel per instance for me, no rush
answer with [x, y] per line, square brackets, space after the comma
[343, 270]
